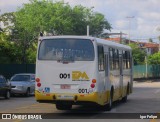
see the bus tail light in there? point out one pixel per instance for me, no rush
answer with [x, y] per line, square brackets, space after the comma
[92, 85]
[94, 81]
[37, 80]
[39, 84]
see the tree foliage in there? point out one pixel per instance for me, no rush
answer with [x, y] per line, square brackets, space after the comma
[138, 54]
[57, 18]
[9, 53]
[154, 59]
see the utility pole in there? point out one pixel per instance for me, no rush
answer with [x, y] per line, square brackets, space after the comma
[120, 37]
[129, 18]
[87, 30]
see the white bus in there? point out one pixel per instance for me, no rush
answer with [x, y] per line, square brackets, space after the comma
[77, 70]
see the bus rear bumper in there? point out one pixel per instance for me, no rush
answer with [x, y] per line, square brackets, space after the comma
[75, 99]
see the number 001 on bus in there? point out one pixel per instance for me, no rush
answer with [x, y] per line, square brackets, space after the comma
[78, 70]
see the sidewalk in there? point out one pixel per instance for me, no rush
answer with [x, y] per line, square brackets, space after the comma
[154, 83]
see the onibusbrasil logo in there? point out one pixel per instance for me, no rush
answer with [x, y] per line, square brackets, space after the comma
[21, 116]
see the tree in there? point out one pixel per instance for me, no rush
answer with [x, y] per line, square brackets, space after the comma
[42, 15]
[154, 59]
[138, 54]
[8, 21]
[57, 18]
[9, 52]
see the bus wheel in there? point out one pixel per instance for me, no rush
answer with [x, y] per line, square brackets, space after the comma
[108, 106]
[60, 106]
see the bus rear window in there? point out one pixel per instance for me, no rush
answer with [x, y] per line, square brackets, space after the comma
[66, 50]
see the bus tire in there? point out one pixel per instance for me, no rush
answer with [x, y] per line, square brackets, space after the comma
[108, 106]
[60, 106]
[124, 99]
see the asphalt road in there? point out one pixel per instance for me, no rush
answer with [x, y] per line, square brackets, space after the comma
[144, 99]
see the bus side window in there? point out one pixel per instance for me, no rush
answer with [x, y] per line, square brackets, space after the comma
[100, 58]
[111, 58]
[106, 64]
[126, 60]
[117, 60]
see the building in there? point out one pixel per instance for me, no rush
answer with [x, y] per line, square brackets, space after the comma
[149, 47]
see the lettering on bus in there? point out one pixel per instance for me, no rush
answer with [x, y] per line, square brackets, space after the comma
[79, 76]
[64, 76]
[83, 91]
[76, 76]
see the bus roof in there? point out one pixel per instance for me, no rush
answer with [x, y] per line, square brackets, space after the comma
[113, 44]
[66, 36]
[98, 40]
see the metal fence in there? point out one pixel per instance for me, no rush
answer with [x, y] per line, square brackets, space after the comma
[9, 69]
[139, 71]
[146, 71]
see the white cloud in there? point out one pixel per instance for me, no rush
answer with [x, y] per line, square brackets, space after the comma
[121, 24]
[12, 2]
[152, 16]
[11, 5]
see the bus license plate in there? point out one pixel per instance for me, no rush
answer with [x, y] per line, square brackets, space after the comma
[65, 97]
[65, 86]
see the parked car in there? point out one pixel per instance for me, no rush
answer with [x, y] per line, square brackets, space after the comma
[5, 87]
[23, 83]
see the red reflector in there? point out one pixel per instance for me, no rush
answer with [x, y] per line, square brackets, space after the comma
[37, 80]
[39, 84]
[92, 85]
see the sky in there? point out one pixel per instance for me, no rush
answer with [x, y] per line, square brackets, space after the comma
[137, 19]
